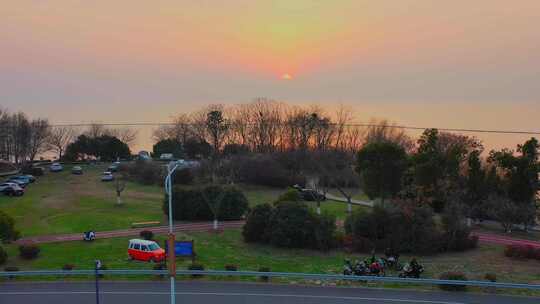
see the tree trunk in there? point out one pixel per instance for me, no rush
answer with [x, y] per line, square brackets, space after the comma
[215, 224]
[118, 200]
[318, 207]
[349, 205]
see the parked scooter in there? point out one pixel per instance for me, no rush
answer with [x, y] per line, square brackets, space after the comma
[392, 260]
[89, 236]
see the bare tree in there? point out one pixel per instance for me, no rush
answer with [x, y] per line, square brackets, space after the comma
[39, 133]
[216, 126]
[213, 196]
[120, 186]
[126, 135]
[383, 131]
[59, 138]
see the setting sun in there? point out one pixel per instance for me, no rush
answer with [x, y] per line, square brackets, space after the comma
[286, 76]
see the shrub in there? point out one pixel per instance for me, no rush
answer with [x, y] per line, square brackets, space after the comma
[160, 266]
[455, 276]
[144, 172]
[231, 267]
[291, 225]
[7, 228]
[196, 266]
[68, 267]
[264, 269]
[3, 256]
[324, 226]
[11, 269]
[183, 177]
[29, 252]
[257, 223]
[407, 228]
[103, 267]
[147, 235]
[521, 252]
[490, 277]
[291, 195]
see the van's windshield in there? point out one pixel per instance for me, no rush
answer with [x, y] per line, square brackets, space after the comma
[153, 247]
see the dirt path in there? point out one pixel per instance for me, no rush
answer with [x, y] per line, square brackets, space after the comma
[501, 240]
[191, 227]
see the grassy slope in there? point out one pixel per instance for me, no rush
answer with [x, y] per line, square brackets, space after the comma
[65, 203]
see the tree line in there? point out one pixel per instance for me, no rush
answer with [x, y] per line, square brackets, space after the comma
[24, 140]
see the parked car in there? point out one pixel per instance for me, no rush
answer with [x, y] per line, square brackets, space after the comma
[11, 189]
[56, 167]
[21, 178]
[309, 194]
[107, 177]
[19, 182]
[113, 168]
[77, 170]
[30, 177]
[147, 251]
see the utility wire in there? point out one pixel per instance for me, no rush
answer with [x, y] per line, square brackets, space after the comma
[158, 124]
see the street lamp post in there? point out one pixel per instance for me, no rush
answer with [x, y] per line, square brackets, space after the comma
[171, 257]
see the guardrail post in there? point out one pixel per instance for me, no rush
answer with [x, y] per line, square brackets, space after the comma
[97, 267]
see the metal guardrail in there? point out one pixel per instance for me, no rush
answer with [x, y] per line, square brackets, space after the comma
[312, 276]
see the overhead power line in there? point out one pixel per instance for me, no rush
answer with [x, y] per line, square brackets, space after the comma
[464, 130]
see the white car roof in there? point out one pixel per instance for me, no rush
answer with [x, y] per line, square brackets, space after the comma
[107, 173]
[142, 242]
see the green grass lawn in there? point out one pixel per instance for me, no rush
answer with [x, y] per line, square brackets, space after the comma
[65, 203]
[214, 251]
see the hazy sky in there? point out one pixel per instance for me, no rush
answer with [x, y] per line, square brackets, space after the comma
[459, 63]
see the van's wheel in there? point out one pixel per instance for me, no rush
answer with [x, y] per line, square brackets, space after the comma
[151, 260]
[130, 257]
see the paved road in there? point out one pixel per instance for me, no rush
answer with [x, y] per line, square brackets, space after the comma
[353, 201]
[232, 293]
[205, 226]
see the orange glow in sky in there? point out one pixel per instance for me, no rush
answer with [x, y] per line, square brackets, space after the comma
[286, 76]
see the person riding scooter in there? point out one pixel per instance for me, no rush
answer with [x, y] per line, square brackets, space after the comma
[89, 235]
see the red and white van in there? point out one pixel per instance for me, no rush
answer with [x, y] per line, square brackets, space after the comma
[147, 251]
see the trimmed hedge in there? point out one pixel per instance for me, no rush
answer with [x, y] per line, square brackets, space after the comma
[522, 252]
[190, 204]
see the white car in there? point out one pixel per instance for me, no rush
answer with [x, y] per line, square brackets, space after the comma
[107, 177]
[11, 189]
[56, 167]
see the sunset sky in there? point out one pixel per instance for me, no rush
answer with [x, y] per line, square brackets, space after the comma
[459, 64]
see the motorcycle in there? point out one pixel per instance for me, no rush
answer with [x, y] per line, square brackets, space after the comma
[412, 271]
[89, 236]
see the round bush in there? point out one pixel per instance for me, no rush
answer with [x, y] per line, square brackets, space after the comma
[291, 225]
[160, 266]
[147, 235]
[68, 267]
[456, 276]
[231, 267]
[257, 224]
[492, 277]
[196, 266]
[3, 256]
[29, 252]
[264, 269]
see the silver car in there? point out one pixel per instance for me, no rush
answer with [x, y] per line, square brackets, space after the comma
[107, 177]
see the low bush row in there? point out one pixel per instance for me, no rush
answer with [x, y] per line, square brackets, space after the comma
[407, 228]
[522, 252]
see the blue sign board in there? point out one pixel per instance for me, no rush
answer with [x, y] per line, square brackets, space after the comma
[182, 248]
